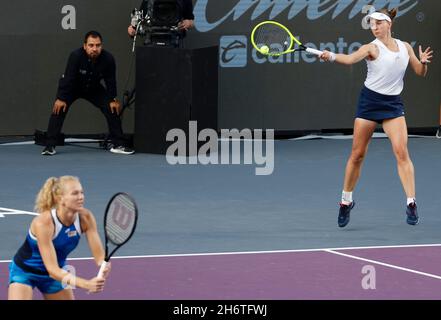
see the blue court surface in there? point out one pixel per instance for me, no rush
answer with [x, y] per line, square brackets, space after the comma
[222, 232]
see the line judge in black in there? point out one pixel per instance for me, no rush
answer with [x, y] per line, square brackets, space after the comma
[86, 68]
[186, 16]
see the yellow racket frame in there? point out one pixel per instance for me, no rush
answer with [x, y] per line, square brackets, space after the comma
[290, 48]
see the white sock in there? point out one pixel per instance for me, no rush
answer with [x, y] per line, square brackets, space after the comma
[346, 197]
[410, 200]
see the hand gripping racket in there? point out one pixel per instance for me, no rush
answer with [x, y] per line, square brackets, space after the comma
[119, 224]
[274, 39]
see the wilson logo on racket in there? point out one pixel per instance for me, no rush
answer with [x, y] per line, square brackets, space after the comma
[121, 216]
[120, 221]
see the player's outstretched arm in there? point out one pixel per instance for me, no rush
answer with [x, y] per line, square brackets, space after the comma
[367, 50]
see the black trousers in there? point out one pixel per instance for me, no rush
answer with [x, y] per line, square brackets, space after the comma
[100, 99]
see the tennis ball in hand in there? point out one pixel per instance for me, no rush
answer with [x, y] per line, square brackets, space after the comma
[264, 49]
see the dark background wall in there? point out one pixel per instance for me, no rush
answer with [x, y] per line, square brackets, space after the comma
[296, 92]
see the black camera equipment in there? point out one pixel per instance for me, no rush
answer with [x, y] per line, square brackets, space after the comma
[158, 22]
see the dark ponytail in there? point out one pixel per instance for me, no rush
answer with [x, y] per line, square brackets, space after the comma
[391, 13]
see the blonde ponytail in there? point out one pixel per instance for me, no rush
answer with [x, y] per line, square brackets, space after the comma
[50, 193]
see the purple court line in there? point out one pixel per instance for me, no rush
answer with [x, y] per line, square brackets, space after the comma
[318, 275]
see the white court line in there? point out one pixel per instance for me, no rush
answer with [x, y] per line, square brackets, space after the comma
[33, 142]
[258, 252]
[327, 137]
[385, 264]
[348, 137]
[9, 211]
[307, 137]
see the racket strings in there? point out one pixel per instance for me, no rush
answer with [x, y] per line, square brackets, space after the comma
[120, 220]
[274, 37]
[116, 234]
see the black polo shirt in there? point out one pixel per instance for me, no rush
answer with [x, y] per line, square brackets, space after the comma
[83, 75]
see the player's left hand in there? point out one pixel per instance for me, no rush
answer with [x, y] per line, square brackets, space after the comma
[425, 56]
[115, 106]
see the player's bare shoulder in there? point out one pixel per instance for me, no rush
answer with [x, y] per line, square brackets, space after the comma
[373, 51]
[86, 218]
[42, 222]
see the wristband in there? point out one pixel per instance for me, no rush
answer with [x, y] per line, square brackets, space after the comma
[333, 56]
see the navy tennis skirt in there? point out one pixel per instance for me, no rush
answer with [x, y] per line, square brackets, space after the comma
[378, 107]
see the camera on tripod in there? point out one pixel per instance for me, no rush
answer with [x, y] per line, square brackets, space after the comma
[158, 21]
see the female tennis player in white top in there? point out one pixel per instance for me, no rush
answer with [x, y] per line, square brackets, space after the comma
[379, 102]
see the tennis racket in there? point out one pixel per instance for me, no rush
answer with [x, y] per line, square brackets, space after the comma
[120, 221]
[274, 39]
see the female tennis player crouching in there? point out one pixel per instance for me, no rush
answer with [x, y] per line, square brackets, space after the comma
[51, 237]
[379, 102]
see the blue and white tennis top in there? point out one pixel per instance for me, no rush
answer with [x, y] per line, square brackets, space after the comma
[65, 240]
[385, 74]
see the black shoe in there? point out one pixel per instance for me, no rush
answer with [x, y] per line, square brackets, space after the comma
[48, 151]
[412, 214]
[344, 214]
[121, 150]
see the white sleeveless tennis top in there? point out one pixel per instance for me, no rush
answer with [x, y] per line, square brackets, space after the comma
[385, 74]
